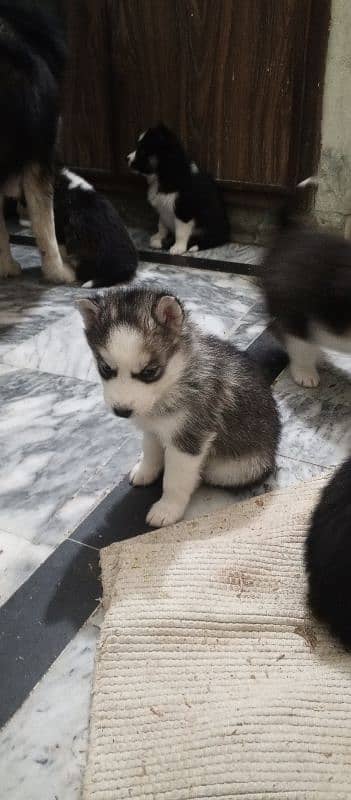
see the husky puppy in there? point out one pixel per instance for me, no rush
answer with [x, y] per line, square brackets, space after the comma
[306, 278]
[90, 233]
[204, 408]
[189, 204]
[328, 556]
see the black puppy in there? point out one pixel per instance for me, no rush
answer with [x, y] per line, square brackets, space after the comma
[306, 278]
[328, 556]
[190, 207]
[91, 234]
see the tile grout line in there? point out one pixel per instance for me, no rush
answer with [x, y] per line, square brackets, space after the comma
[83, 544]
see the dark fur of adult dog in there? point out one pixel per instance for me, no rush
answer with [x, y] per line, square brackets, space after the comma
[87, 225]
[328, 556]
[190, 207]
[32, 59]
[306, 278]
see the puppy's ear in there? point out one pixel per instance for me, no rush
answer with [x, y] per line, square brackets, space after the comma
[169, 312]
[90, 309]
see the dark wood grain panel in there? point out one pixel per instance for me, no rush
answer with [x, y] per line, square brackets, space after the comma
[87, 132]
[239, 80]
[144, 56]
[228, 77]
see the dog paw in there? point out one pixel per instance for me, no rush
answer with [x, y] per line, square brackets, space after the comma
[143, 474]
[305, 377]
[59, 273]
[156, 241]
[177, 249]
[194, 248]
[164, 513]
[11, 269]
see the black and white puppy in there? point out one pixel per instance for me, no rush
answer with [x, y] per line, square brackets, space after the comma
[328, 556]
[306, 278]
[189, 204]
[32, 61]
[91, 234]
[205, 409]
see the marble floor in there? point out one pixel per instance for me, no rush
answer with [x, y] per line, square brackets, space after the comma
[63, 455]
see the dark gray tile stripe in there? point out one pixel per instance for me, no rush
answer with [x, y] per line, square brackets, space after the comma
[215, 264]
[46, 612]
[157, 257]
[30, 638]
[269, 354]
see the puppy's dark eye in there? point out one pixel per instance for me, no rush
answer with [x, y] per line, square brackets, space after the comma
[105, 371]
[150, 374]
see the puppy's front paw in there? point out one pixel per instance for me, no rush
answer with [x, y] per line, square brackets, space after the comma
[304, 377]
[164, 513]
[177, 249]
[144, 474]
[10, 269]
[156, 241]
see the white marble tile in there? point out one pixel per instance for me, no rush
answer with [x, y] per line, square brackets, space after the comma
[101, 483]
[60, 348]
[316, 422]
[219, 304]
[43, 747]
[28, 257]
[55, 433]
[244, 332]
[28, 305]
[210, 323]
[232, 251]
[6, 368]
[222, 294]
[18, 560]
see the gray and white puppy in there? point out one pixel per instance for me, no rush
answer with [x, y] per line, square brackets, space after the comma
[205, 410]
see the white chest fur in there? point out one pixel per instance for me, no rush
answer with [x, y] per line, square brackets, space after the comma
[162, 427]
[163, 204]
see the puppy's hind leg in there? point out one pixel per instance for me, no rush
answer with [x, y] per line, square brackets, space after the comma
[8, 265]
[242, 471]
[156, 241]
[38, 192]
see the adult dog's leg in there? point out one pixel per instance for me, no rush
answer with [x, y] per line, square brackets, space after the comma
[38, 192]
[8, 265]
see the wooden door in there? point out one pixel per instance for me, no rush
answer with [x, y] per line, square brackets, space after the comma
[239, 80]
[87, 133]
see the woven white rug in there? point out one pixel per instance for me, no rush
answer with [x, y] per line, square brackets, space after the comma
[211, 681]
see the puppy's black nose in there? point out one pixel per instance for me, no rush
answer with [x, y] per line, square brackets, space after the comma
[122, 412]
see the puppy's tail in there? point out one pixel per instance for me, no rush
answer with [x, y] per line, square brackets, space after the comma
[284, 214]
